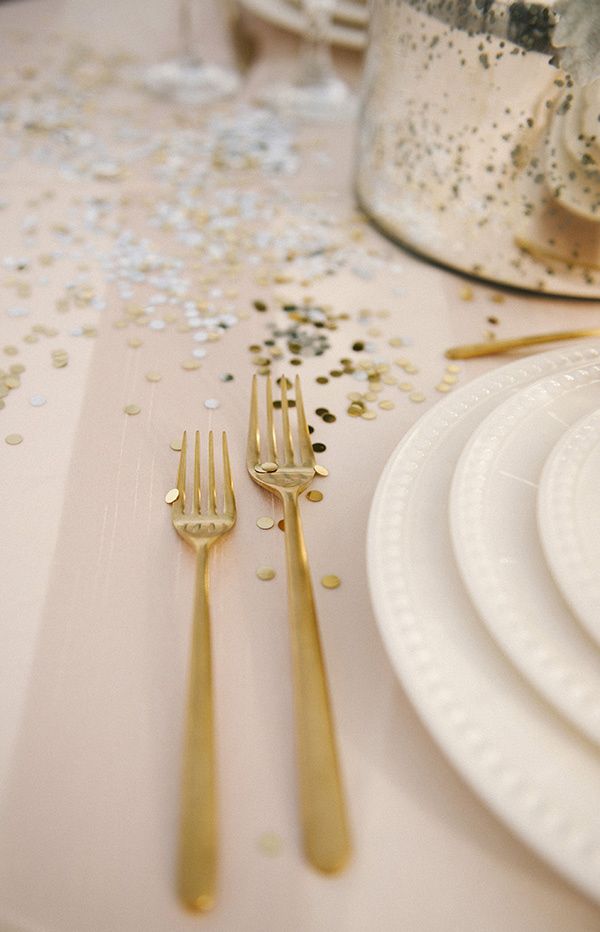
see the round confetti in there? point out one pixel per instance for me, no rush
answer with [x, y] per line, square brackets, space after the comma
[281, 525]
[321, 470]
[172, 496]
[369, 415]
[270, 844]
[37, 401]
[268, 467]
[265, 523]
[134, 342]
[176, 445]
[265, 573]
[314, 496]
[13, 439]
[190, 365]
[153, 376]
[331, 582]
[212, 403]
[319, 447]
[132, 409]
[417, 396]
[386, 405]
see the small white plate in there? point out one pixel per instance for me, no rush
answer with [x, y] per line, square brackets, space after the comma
[569, 517]
[493, 512]
[538, 774]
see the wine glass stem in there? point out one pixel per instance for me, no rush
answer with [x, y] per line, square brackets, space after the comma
[186, 42]
[316, 64]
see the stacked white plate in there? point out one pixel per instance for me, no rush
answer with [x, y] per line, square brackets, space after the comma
[484, 565]
[348, 23]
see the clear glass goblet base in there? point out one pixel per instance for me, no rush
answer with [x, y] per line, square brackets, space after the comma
[190, 80]
[328, 100]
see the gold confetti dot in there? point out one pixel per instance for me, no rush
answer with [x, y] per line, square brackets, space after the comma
[406, 386]
[417, 397]
[467, 293]
[396, 341]
[190, 364]
[449, 378]
[176, 445]
[443, 387]
[281, 525]
[17, 368]
[369, 415]
[153, 376]
[132, 409]
[11, 350]
[331, 582]
[265, 523]
[269, 467]
[12, 381]
[133, 342]
[321, 470]
[265, 572]
[172, 496]
[314, 496]
[386, 405]
[13, 439]
[270, 844]
[452, 367]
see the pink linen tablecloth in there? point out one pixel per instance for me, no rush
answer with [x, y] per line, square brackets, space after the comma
[96, 588]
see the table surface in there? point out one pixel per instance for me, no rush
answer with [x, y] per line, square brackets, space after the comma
[96, 587]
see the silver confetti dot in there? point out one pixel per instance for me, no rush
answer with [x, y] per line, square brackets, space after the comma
[212, 403]
[37, 401]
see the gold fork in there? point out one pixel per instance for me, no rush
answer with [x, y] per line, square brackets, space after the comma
[200, 527]
[323, 811]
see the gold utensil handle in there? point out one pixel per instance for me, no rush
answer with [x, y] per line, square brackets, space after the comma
[325, 830]
[198, 842]
[494, 347]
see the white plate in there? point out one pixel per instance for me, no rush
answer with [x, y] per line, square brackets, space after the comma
[538, 774]
[493, 516]
[569, 516]
[349, 26]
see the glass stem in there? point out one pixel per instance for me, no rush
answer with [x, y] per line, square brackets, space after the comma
[186, 42]
[316, 63]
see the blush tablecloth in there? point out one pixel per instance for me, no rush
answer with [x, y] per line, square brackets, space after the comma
[96, 588]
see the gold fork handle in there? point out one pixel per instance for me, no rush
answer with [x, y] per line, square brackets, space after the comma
[325, 830]
[494, 347]
[198, 842]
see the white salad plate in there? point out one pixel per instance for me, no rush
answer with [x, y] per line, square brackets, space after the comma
[493, 518]
[568, 513]
[538, 774]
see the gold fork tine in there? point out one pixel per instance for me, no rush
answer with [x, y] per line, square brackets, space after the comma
[253, 447]
[228, 493]
[306, 451]
[212, 488]
[179, 504]
[197, 491]
[271, 438]
[285, 416]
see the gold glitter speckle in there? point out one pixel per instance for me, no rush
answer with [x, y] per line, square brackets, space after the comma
[321, 470]
[13, 439]
[314, 496]
[417, 397]
[265, 523]
[265, 572]
[132, 409]
[270, 844]
[331, 582]
[269, 467]
[153, 376]
[172, 496]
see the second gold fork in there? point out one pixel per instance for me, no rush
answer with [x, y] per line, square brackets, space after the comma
[323, 809]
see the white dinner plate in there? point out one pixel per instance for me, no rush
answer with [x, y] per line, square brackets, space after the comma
[348, 27]
[493, 517]
[537, 773]
[569, 517]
